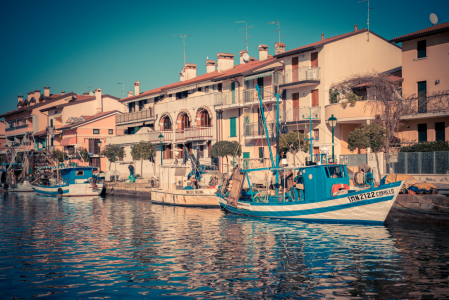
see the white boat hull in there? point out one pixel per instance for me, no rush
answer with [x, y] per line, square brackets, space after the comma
[364, 206]
[23, 187]
[72, 190]
[193, 198]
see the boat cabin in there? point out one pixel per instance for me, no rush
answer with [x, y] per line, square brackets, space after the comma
[72, 175]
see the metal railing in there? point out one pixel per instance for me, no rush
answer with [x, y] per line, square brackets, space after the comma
[301, 113]
[16, 127]
[225, 98]
[258, 130]
[194, 133]
[134, 116]
[297, 75]
[419, 163]
[251, 95]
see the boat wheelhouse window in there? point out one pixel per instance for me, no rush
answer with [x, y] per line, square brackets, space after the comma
[335, 172]
[80, 173]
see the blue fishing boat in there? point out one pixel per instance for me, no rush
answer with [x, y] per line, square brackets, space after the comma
[68, 181]
[316, 192]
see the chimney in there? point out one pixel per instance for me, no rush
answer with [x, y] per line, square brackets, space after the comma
[189, 71]
[355, 27]
[30, 95]
[19, 98]
[130, 93]
[210, 65]
[46, 91]
[279, 48]
[62, 92]
[225, 61]
[263, 52]
[98, 101]
[37, 95]
[136, 88]
[322, 36]
[241, 52]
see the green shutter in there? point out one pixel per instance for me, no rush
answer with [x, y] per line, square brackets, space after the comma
[245, 159]
[233, 127]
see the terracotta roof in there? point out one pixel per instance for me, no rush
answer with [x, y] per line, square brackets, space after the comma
[321, 43]
[423, 32]
[42, 132]
[79, 99]
[244, 69]
[88, 118]
[279, 44]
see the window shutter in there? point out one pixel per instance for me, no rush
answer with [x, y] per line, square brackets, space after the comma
[233, 127]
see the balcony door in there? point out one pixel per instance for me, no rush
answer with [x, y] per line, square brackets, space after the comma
[315, 101]
[294, 69]
[422, 97]
[314, 60]
[233, 91]
[295, 101]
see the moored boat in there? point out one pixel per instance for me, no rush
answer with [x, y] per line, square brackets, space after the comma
[70, 182]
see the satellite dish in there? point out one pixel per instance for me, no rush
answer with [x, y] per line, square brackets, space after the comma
[433, 18]
[245, 57]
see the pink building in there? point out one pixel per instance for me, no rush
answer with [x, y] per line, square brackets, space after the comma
[2, 137]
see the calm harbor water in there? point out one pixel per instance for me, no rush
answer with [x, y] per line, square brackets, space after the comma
[123, 247]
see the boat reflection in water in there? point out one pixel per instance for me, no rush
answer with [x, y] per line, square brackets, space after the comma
[119, 247]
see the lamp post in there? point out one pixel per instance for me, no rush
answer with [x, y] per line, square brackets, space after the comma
[99, 153]
[332, 123]
[161, 138]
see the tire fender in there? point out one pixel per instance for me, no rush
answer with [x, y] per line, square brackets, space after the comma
[60, 191]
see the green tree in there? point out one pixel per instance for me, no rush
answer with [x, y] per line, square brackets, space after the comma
[225, 149]
[426, 147]
[84, 154]
[113, 153]
[59, 155]
[143, 151]
[292, 142]
[334, 95]
[368, 136]
[352, 99]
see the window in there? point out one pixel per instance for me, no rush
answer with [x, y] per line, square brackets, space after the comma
[335, 172]
[79, 173]
[233, 128]
[260, 152]
[199, 89]
[96, 131]
[422, 49]
[51, 142]
[422, 97]
[220, 87]
[51, 122]
[422, 132]
[111, 131]
[316, 134]
[439, 131]
[131, 107]
[93, 146]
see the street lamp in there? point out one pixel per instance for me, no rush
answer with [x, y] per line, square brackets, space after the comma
[99, 153]
[332, 123]
[161, 138]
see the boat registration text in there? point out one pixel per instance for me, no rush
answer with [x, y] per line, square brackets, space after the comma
[370, 195]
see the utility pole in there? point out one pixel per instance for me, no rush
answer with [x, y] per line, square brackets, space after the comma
[246, 32]
[183, 43]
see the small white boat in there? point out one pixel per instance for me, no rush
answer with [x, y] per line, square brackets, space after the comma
[72, 182]
[21, 187]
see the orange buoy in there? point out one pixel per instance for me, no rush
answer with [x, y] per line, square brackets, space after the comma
[339, 186]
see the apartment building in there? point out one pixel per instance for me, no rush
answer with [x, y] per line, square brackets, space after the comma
[310, 71]
[425, 66]
[2, 138]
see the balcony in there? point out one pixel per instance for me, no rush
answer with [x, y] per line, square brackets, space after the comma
[17, 130]
[132, 117]
[130, 139]
[360, 112]
[298, 77]
[300, 114]
[257, 130]
[194, 133]
[428, 107]
[249, 97]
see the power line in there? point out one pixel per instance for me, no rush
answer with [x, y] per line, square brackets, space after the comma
[183, 43]
[246, 32]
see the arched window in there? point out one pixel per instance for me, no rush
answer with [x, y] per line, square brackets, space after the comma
[203, 118]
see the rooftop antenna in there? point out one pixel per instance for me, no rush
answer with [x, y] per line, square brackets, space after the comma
[89, 87]
[368, 15]
[183, 43]
[246, 32]
[123, 91]
[433, 19]
[279, 28]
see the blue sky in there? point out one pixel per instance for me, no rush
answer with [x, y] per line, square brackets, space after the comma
[71, 45]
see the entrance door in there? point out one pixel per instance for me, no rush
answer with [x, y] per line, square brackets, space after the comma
[245, 159]
[314, 60]
[295, 100]
[315, 98]
[294, 69]
[233, 91]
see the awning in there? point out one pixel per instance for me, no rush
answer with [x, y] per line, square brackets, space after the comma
[68, 141]
[260, 75]
[135, 124]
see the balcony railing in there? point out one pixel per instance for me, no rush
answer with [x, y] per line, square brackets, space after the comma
[225, 98]
[134, 116]
[301, 113]
[194, 133]
[251, 95]
[16, 127]
[298, 75]
[257, 130]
